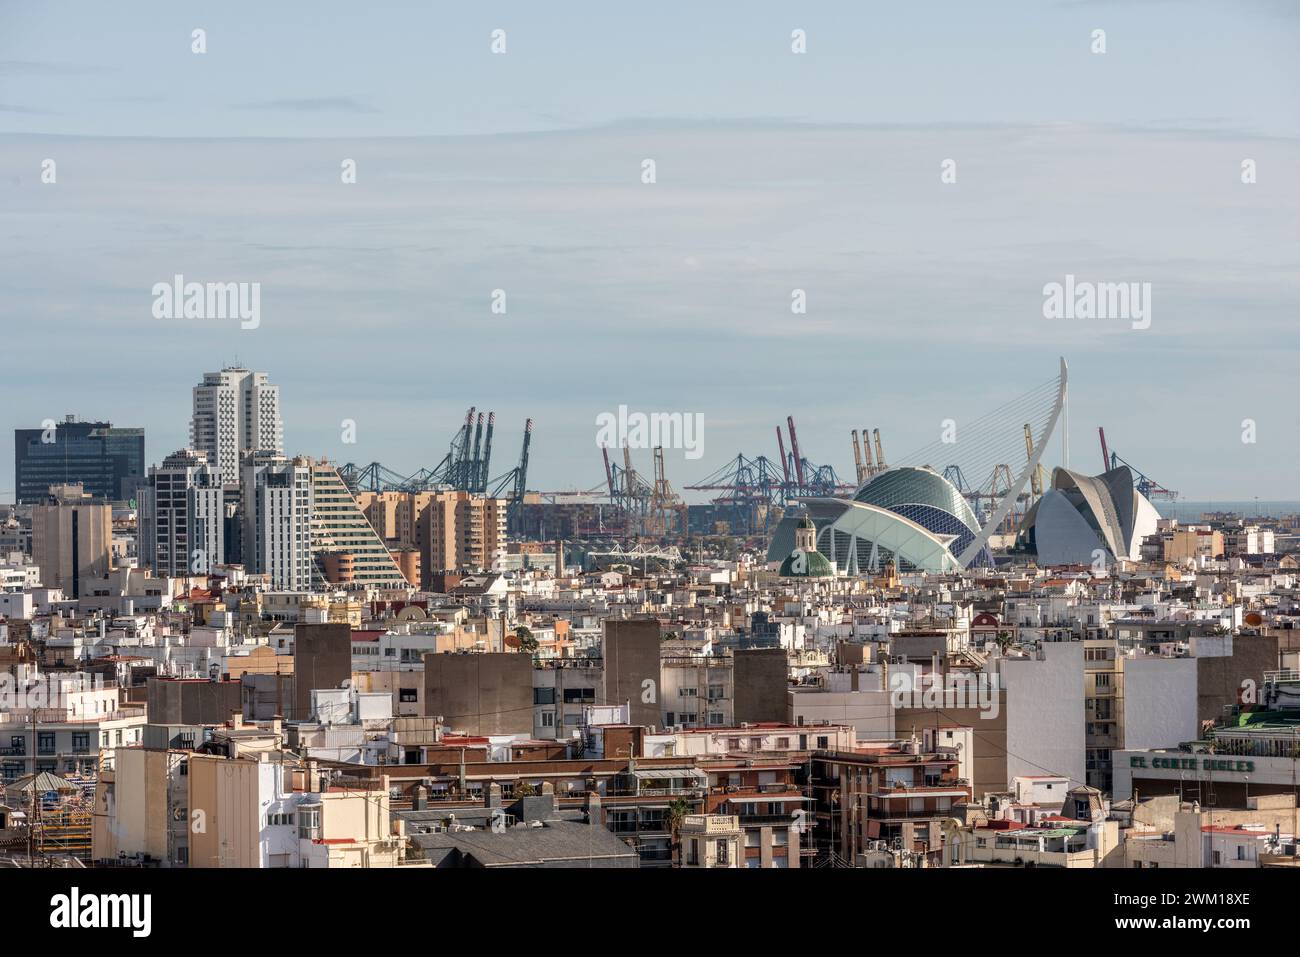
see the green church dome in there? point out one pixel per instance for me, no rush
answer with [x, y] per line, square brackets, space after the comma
[802, 564]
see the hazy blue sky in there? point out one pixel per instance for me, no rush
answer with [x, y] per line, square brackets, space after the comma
[775, 171]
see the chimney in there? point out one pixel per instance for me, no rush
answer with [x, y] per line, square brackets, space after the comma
[492, 795]
[592, 807]
[420, 799]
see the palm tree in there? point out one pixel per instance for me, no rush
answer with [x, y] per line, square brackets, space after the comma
[677, 811]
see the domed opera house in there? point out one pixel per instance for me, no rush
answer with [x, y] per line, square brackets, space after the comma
[1081, 514]
[909, 515]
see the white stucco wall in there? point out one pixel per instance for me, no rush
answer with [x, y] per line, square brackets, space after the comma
[1159, 702]
[1045, 713]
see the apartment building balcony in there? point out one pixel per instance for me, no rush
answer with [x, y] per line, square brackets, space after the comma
[647, 826]
[13, 720]
[694, 792]
[758, 820]
[905, 817]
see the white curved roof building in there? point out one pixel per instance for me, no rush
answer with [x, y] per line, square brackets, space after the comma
[1081, 514]
[911, 516]
[914, 517]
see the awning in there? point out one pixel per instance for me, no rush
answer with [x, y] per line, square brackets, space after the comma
[760, 798]
[672, 774]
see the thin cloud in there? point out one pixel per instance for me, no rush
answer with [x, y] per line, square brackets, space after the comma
[320, 104]
[46, 68]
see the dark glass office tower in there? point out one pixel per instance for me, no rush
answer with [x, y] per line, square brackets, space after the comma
[109, 462]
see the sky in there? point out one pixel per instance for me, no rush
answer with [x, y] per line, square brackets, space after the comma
[522, 171]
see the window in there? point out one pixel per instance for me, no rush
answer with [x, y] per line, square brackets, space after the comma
[548, 719]
[687, 692]
[81, 742]
[45, 742]
[716, 692]
[406, 695]
[823, 742]
[579, 695]
[543, 696]
[724, 858]
[309, 822]
[18, 744]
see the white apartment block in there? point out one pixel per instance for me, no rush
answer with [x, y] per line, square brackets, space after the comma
[235, 411]
[277, 501]
[64, 724]
[1248, 540]
[182, 518]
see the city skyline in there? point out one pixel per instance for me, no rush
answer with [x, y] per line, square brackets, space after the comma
[1084, 449]
[394, 485]
[776, 174]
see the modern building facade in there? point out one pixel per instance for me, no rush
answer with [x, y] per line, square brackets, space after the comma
[235, 411]
[182, 516]
[106, 461]
[277, 533]
[348, 551]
